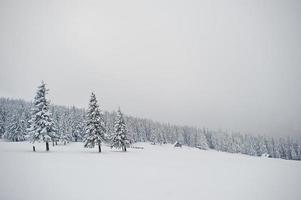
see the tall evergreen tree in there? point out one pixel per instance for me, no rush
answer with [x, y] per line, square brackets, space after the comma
[120, 139]
[41, 124]
[95, 129]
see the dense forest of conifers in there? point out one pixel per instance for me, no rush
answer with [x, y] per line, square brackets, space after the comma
[70, 125]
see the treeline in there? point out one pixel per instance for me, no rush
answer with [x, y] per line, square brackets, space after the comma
[70, 127]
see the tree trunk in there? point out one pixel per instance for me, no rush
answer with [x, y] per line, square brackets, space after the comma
[53, 143]
[47, 146]
[99, 148]
[33, 148]
[124, 148]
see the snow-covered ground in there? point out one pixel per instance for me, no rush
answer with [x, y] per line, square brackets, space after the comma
[155, 172]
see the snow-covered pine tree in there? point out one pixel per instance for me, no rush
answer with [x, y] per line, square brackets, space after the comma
[201, 141]
[17, 129]
[41, 124]
[262, 144]
[95, 129]
[3, 116]
[76, 124]
[79, 131]
[64, 138]
[120, 140]
[65, 134]
[294, 153]
[276, 148]
[153, 137]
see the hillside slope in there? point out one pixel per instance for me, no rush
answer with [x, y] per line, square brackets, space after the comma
[155, 172]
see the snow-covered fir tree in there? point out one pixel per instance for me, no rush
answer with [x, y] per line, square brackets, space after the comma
[200, 140]
[95, 127]
[41, 127]
[120, 140]
[66, 128]
[76, 124]
[78, 133]
[3, 115]
[16, 130]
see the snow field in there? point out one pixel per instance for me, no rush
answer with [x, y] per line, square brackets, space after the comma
[155, 172]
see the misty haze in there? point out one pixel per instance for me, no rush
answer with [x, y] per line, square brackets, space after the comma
[161, 99]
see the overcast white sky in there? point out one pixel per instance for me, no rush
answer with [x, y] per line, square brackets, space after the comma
[221, 64]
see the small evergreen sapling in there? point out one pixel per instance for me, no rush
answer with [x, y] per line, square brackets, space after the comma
[120, 140]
